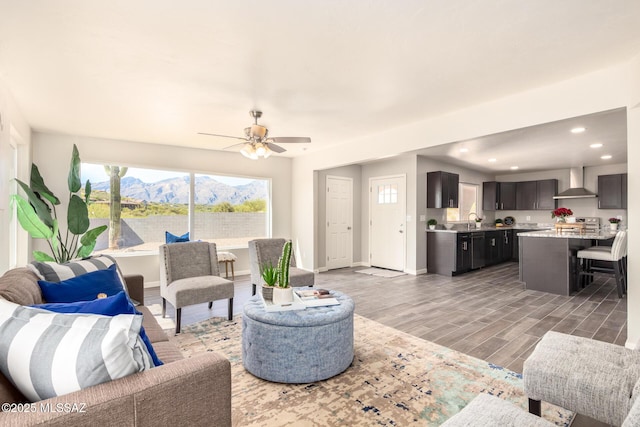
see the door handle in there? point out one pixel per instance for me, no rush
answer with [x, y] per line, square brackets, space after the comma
[400, 231]
[501, 205]
[348, 228]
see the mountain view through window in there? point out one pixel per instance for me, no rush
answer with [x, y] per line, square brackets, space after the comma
[140, 205]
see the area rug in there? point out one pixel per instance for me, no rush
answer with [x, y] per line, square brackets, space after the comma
[395, 380]
[381, 272]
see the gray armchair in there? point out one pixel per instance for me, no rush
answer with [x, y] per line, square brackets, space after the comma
[586, 376]
[265, 251]
[189, 275]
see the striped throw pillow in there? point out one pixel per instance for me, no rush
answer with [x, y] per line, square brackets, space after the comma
[47, 354]
[53, 272]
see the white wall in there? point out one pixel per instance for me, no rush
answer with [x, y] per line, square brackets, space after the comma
[614, 87]
[14, 130]
[52, 152]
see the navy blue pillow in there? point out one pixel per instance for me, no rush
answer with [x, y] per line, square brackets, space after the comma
[172, 238]
[85, 287]
[110, 306]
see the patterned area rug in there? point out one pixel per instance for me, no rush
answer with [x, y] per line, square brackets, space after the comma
[395, 380]
[381, 272]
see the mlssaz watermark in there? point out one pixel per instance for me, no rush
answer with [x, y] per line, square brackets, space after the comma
[42, 407]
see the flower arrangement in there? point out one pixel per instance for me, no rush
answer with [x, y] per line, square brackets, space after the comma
[615, 220]
[561, 213]
[478, 219]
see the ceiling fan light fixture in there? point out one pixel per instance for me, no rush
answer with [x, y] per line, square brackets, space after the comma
[249, 151]
[258, 132]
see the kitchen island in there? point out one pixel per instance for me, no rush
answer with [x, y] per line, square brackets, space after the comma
[548, 258]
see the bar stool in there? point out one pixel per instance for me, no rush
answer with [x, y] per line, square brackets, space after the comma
[615, 256]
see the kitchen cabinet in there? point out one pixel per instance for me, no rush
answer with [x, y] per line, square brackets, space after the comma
[448, 253]
[506, 245]
[536, 195]
[442, 190]
[477, 250]
[612, 191]
[498, 196]
[492, 247]
[463, 253]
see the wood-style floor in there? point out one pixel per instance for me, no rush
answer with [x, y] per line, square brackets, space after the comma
[487, 314]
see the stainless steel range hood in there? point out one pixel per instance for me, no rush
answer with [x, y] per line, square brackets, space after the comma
[576, 186]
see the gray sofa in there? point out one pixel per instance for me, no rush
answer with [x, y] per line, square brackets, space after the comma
[192, 392]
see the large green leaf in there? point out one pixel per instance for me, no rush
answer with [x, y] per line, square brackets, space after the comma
[92, 235]
[42, 257]
[87, 192]
[38, 186]
[41, 208]
[29, 220]
[85, 251]
[77, 215]
[74, 172]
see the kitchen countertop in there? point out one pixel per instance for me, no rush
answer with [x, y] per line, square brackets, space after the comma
[599, 235]
[489, 228]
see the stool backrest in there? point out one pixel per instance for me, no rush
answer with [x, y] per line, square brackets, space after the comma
[619, 247]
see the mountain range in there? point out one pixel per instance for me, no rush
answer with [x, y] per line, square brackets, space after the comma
[176, 190]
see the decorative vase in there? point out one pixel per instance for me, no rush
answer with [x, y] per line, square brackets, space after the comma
[614, 226]
[267, 292]
[282, 295]
[561, 219]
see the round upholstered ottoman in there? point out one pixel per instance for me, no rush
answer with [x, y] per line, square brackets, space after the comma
[299, 346]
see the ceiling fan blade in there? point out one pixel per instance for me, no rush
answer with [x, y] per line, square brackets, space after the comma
[275, 148]
[290, 139]
[234, 145]
[222, 136]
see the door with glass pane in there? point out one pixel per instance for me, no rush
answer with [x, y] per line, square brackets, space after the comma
[387, 222]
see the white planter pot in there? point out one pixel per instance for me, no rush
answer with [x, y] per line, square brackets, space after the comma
[432, 227]
[478, 225]
[282, 295]
[614, 227]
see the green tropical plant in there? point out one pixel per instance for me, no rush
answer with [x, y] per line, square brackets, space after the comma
[432, 222]
[37, 215]
[269, 274]
[283, 265]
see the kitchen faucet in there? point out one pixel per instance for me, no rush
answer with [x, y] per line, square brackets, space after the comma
[469, 220]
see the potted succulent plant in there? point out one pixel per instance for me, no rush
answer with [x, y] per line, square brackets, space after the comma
[478, 222]
[270, 276]
[613, 223]
[432, 224]
[283, 292]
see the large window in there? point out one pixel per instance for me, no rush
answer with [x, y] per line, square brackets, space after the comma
[140, 205]
[467, 203]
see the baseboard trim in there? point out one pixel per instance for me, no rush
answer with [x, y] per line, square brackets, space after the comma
[630, 344]
[416, 272]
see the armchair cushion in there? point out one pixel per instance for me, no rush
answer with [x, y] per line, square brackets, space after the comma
[40, 350]
[195, 290]
[486, 410]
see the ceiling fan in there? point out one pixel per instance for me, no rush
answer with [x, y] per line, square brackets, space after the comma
[256, 142]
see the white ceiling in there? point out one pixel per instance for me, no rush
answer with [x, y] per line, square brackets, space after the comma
[161, 70]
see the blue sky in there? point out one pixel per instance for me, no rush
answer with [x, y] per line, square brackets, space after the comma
[95, 173]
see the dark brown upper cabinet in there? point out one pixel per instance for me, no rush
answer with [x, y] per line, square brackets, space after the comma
[612, 191]
[442, 190]
[497, 196]
[536, 195]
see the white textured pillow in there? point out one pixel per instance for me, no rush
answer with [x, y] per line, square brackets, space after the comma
[46, 354]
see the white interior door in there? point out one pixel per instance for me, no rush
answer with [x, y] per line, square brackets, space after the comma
[387, 223]
[339, 222]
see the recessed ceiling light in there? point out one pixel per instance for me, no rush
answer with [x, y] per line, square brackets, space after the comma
[578, 130]
[493, 160]
[513, 168]
[464, 150]
[606, 157]
[596, 145]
